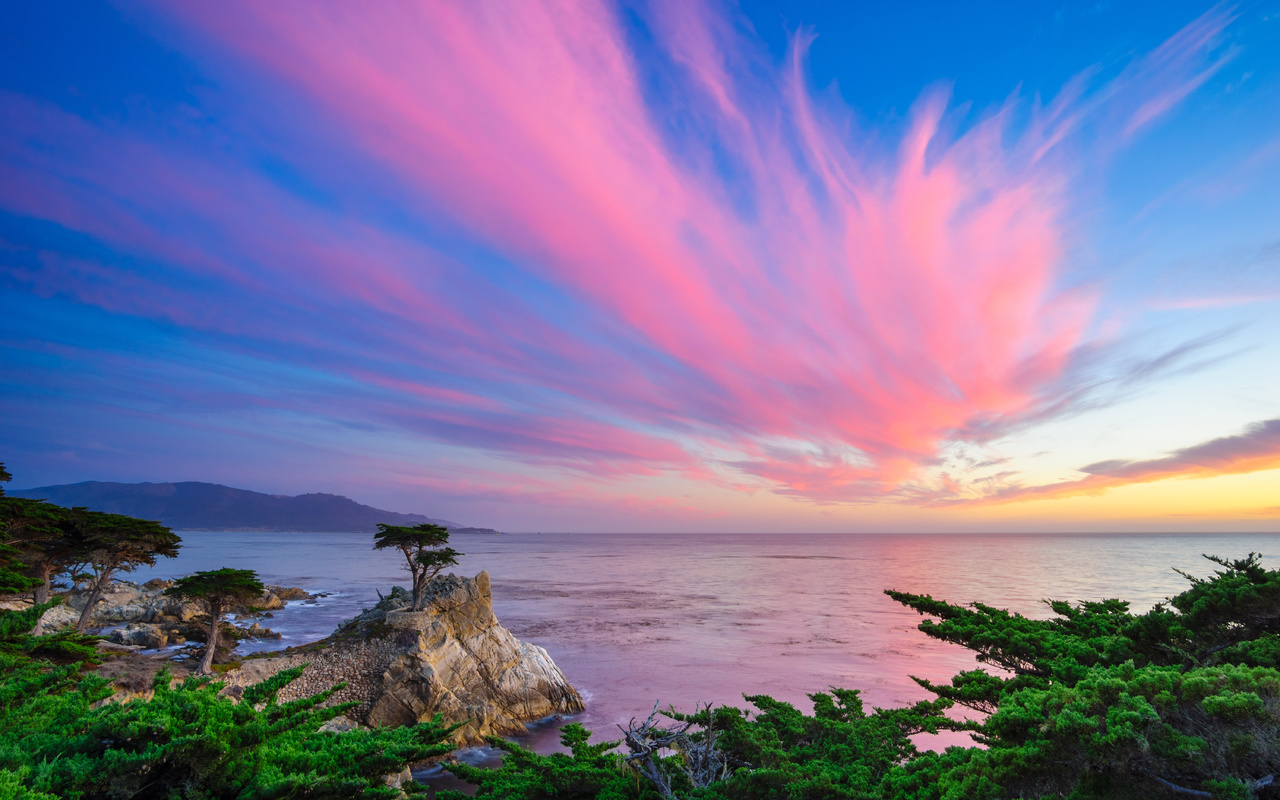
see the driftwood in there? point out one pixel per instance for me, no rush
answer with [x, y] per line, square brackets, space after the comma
[1253, 786]
[698, 758]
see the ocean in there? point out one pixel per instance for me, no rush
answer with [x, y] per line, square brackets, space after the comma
[681, 619]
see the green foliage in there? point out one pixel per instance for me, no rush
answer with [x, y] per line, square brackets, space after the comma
[433, 561]
[12, 515]
[41, 534]
[64, 646]
[12, 576]
[587, 771]
[187, 741]
[219, 588]
[840, 751]
[415, 537]
[118, 542]
[424, 551]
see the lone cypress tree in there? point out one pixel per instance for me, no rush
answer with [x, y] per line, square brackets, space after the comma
[218, 591]
[424, 550]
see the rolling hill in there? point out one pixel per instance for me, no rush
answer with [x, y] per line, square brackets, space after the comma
[213, 507]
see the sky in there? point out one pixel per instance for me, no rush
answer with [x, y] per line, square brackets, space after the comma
[652, 265]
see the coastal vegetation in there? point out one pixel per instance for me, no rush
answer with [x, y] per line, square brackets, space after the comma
[66, 733]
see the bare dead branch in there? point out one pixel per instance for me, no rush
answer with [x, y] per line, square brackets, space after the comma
[696, 754]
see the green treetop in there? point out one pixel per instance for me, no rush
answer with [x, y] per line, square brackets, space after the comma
[22, 522]
[42, 533]
[107, 544]
[218, 591]
[424, 550]
[11, 581]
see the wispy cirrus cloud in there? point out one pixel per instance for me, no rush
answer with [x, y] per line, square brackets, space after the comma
[757, 295]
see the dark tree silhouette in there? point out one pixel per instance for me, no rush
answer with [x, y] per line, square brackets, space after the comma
[424, 550]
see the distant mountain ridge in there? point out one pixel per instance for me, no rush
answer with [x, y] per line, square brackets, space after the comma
[192, 505]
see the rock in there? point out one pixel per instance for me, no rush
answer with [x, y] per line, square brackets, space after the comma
[59, 616]
[340, 724]
[463, 663]
[397, 780]
[256, 631]
[371, 615]
[112, 647]
[120, 602]
[288, 593]
[398, 597]
[128, 602]
[152, 637]
[270, 602]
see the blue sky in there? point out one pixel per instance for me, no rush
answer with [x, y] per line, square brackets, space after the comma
[653, 266]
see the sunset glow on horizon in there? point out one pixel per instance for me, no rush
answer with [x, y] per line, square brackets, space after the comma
[651, 266]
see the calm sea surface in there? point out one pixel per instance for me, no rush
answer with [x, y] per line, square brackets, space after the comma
[695, 618]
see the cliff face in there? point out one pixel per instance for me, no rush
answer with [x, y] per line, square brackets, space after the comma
[464, 664]
[452, 658]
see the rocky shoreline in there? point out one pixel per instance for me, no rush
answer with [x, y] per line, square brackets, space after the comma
[399, 667]
[456, 659]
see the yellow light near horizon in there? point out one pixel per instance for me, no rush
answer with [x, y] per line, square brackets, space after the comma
[1249, 497]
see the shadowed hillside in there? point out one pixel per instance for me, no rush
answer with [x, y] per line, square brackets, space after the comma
[211, 506]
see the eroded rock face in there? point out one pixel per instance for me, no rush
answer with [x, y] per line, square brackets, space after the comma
[461, 663]
[465, 665]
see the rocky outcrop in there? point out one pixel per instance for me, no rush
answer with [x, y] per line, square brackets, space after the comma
[153, 621]
[455, 659]
[146, 604]
[149, 637]
[462, 663]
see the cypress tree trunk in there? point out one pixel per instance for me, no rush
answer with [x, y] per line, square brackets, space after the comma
[215, 617]
[42, 592]
[415, 570]
[95, 594]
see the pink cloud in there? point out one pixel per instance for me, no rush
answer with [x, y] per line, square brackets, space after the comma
[819, 318]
